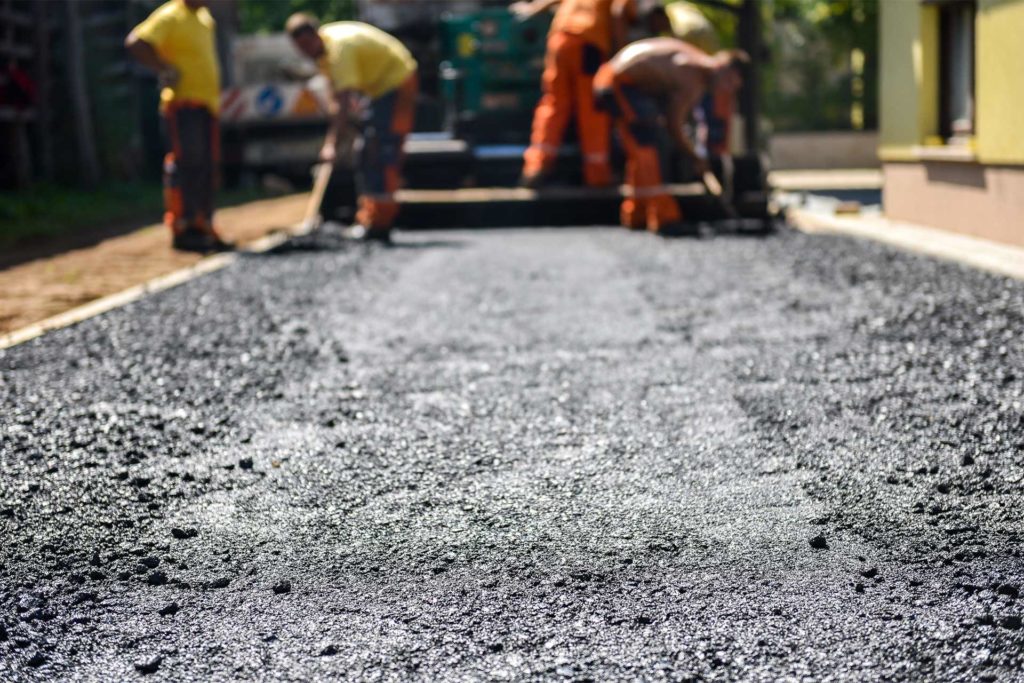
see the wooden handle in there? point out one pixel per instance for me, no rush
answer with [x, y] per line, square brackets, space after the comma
[711, 182]
[316, 197]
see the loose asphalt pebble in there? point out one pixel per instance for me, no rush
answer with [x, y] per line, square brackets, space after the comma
[149, 665]
[580, 453]
[156, 578]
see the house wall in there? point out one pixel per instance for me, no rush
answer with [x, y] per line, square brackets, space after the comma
[908, 106]
[971, 199]
[1000, 81]
[975, 189]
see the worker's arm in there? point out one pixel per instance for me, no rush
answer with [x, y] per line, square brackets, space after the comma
[341, 124]
[623, 14]
[528, 9]
[678, 113]
[146, 55]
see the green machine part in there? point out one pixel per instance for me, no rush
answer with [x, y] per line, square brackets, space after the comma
[490, 74]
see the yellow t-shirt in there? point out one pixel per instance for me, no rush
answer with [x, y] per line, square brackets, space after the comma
[363, 58]
[184, 38]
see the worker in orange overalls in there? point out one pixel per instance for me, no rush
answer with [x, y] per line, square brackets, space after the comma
[644, 81]
[583, 35]
[177, 42]
[374, 83]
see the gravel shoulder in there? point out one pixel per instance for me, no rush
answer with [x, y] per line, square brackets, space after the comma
[42, 287]
[581, 454]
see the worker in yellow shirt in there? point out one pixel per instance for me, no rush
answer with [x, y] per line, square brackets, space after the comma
[374, 83]
[177, 42]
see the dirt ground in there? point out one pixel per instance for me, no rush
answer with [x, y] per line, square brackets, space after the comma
[37, 289]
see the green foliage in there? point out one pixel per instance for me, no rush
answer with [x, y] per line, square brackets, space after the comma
[815, 80]
[50, 210]
[268, 16]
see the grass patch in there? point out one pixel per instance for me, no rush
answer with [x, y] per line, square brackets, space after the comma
[50, 211]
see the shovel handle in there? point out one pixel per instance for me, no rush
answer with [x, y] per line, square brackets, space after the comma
[316, 197]
[711, 182]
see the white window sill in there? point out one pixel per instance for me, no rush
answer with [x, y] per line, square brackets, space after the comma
[952, 153]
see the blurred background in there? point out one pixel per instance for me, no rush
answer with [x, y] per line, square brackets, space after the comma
[926, 94]
[78, 115]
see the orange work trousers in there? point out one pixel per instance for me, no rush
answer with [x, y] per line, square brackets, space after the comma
[190, 167]
[568, 84]
[387, 121]
[648, 203]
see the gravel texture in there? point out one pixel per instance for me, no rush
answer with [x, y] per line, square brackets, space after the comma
[579, 454]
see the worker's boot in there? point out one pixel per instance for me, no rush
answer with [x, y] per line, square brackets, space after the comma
[192, 239]
[534, 181]
[219, 245]
[361, 233]
[633, 214]
[678, 229]
[200, 239]
[214, 241]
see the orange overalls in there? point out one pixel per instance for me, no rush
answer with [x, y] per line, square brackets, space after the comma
[648, 203]
[579, 42]
[388, 120]
[190, 167]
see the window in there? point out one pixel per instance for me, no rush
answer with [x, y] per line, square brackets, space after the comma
[956, 70]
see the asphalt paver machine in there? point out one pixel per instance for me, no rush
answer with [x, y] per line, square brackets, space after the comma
[464, 160]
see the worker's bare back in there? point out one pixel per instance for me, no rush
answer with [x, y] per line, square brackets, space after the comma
[664, 66]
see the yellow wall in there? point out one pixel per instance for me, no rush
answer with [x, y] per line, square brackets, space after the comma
[909, 101]
[899, 30]
[999, 88]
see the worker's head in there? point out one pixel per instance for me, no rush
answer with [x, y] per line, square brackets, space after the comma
[303, 30]
[730, 66]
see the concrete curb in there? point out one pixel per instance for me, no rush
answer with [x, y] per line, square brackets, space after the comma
[209, 264]
[993, 257]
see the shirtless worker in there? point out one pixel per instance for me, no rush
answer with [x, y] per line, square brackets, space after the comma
[685, 21]
[648, 80]
[361, 61]
[584, 33]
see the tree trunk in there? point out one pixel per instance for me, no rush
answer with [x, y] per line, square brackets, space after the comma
[88, 162]
[44, 119]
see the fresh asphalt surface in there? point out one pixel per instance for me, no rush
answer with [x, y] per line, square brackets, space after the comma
[543, 454]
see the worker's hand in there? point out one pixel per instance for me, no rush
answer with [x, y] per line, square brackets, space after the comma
[523, 9]
[329, 153]
[168, 76]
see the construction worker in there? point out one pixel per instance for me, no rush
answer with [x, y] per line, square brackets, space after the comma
[685, 21]
[583, 35]
[361, 61]
[644, 81]
[177, 42]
